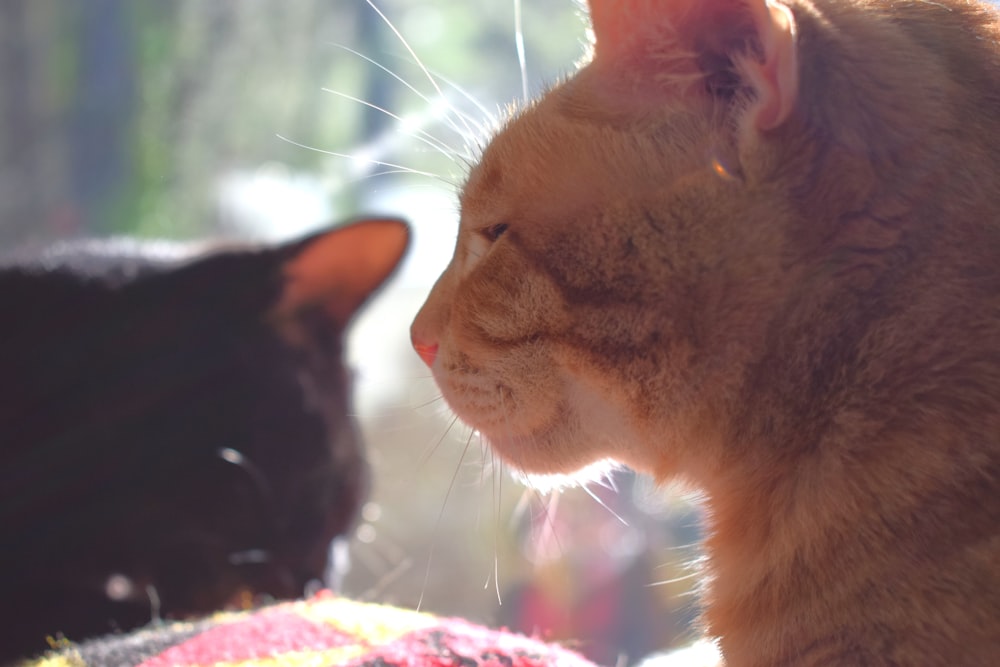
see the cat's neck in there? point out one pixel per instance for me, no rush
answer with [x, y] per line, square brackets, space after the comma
[804, 552]
[834, 501]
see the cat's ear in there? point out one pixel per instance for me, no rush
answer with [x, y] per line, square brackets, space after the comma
[666, 42]
[338, 270]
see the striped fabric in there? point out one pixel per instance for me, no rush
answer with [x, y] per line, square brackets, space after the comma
[324, 631]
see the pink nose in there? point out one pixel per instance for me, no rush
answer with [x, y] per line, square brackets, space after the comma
[427, 351]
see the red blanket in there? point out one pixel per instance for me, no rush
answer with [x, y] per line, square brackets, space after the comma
[324, 631]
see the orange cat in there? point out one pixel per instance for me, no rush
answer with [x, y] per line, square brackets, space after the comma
[756, 246]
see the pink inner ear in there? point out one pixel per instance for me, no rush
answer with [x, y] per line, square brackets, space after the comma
[624, 27]
[776, 77]
[661, 41]
[338, 270]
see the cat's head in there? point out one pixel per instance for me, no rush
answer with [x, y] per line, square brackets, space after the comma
[628, 240]
[176, 426]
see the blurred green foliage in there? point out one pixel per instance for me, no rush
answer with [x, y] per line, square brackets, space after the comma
[194, 90]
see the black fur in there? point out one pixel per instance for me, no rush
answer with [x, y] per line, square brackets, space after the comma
[163, 447]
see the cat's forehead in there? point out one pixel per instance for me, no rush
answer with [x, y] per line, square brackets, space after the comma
[535, 148]
[567, 152]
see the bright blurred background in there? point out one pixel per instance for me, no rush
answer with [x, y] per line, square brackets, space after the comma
[260, 119]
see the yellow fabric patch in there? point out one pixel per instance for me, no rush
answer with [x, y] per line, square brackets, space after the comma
[376, 624]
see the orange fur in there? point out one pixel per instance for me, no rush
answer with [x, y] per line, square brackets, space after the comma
[756, 246]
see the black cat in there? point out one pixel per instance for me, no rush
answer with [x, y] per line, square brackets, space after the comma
[174, 433]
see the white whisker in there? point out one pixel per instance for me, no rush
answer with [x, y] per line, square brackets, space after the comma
[606, 480]
[600, 502]
[519, 44]
[549, 534]
[356, 158]
[523, 505]
[675, 580]
[416, 59]
[437, 522]
[687, 547]
[493, 480]
[426, 456]
[376, 589]
[483, 452]
[498, 477]
[388, 172]
[482, 129]
[429, 102]
[429, 403]
[420, 135]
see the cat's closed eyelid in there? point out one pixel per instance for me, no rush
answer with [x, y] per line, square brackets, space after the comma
[494, 232]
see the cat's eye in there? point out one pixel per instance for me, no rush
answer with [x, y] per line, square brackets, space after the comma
[493, 232]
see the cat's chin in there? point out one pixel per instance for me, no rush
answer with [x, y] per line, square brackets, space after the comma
[548, 442]
[599, 472]
[539, 456]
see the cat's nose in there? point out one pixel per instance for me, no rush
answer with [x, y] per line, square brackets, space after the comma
[427, 351]
[424, 333]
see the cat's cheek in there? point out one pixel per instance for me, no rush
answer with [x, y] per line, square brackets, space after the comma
[535, 417]
[512, 395]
